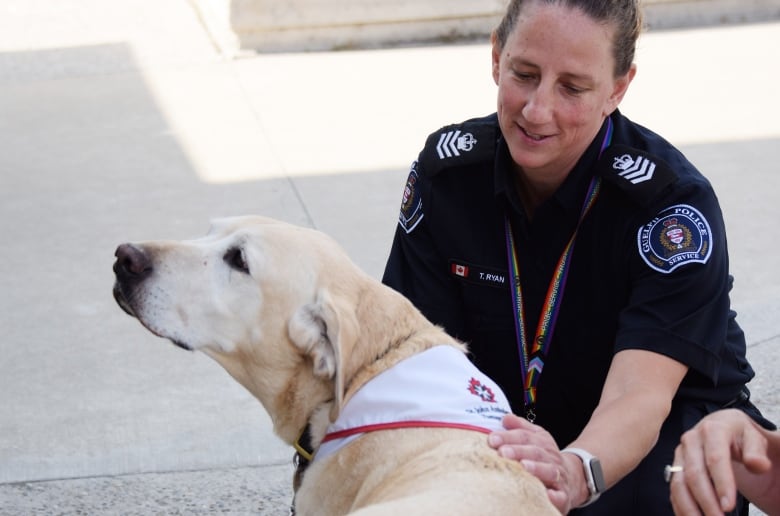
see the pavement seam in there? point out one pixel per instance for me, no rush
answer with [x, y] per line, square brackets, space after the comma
[172, 472]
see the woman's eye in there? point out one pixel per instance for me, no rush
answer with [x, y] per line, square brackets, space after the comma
[234, 257]
[573, 90]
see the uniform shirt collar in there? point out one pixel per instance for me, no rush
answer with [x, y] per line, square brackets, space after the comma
[569, 196]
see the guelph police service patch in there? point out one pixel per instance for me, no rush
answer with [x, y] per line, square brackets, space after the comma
[678, 235]
[411, 203]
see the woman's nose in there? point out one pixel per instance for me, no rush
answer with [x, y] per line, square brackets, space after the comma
[538, 108]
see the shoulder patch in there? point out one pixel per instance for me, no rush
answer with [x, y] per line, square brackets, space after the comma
[411, 203]
[678, 235]
[640, 175]
[458, 145]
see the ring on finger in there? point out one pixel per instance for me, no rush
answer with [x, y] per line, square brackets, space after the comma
[670, 470]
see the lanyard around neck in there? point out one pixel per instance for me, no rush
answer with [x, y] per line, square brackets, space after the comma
[534, 353]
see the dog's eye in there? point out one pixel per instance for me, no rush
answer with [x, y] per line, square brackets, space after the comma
[235, 258]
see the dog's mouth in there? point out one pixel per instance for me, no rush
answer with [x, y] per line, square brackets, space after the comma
[127, 307]
[180, 344]
[121, 300]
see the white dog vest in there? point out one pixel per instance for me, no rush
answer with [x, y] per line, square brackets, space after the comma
[437, 388]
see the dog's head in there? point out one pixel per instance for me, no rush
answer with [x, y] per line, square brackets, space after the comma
[273, 303]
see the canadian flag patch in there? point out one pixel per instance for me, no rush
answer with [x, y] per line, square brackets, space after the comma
[460, 270]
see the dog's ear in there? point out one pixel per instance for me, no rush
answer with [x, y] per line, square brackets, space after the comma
[323, 329]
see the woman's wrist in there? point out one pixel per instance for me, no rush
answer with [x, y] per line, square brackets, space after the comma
[578, 484]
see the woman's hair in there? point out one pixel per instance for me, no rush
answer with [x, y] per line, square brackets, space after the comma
[624, 15]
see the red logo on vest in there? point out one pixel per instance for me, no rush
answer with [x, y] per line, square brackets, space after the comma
[483, 391]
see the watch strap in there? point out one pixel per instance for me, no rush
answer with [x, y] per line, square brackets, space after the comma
[594, 478]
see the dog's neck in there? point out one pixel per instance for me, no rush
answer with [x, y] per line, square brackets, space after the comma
[394, 352]
[438, 388]
[414, 343]
[396, 330]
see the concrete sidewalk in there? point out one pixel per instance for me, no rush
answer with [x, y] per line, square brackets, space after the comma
[121, 122]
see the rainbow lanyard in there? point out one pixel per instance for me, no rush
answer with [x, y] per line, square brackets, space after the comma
[534, 353]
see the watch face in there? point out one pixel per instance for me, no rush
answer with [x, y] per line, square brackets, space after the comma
[598, 476]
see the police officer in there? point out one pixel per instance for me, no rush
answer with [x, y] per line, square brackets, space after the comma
[583, 259]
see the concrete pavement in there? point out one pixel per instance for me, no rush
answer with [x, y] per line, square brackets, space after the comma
[121, 122]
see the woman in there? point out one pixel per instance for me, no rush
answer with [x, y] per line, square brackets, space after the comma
[724, 452]
[560, 210]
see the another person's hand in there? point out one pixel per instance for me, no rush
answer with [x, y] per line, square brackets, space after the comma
[714, 454]
[534, 447]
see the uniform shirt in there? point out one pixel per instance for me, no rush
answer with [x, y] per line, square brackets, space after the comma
[649, 268]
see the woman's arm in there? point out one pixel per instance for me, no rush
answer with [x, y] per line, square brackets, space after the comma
[635, 401]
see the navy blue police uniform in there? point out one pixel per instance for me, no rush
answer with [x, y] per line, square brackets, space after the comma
[649, 270]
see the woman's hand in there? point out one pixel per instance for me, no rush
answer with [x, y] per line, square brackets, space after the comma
[634, 403]
[534, 447]
[714, 454]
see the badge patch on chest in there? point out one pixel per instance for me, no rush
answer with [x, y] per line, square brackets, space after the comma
[411, 203]
[678, 235]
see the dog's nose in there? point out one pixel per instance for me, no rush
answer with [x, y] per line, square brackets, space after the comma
[132, 262]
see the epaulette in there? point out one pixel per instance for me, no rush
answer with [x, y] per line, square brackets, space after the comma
[640, 175]
[470, 142]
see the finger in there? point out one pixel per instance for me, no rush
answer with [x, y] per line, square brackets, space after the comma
[500, 439]
[560, 500]
[513, 421]
[523, 436]
[530, 452]
[755, 451]
[682, 499]
[537, 447]
[683, 503]
[698, 474]
[717, 447]
[549, 474]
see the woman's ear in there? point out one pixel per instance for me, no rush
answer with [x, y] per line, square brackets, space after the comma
[619, 91]
[496, 57]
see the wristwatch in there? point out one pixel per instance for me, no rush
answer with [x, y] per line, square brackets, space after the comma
[594, 476]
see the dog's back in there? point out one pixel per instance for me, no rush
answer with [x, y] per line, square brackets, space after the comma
[421, 471]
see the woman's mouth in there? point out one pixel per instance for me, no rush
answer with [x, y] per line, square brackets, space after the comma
[533, 136]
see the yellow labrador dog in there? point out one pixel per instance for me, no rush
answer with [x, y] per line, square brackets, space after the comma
[397, 415]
